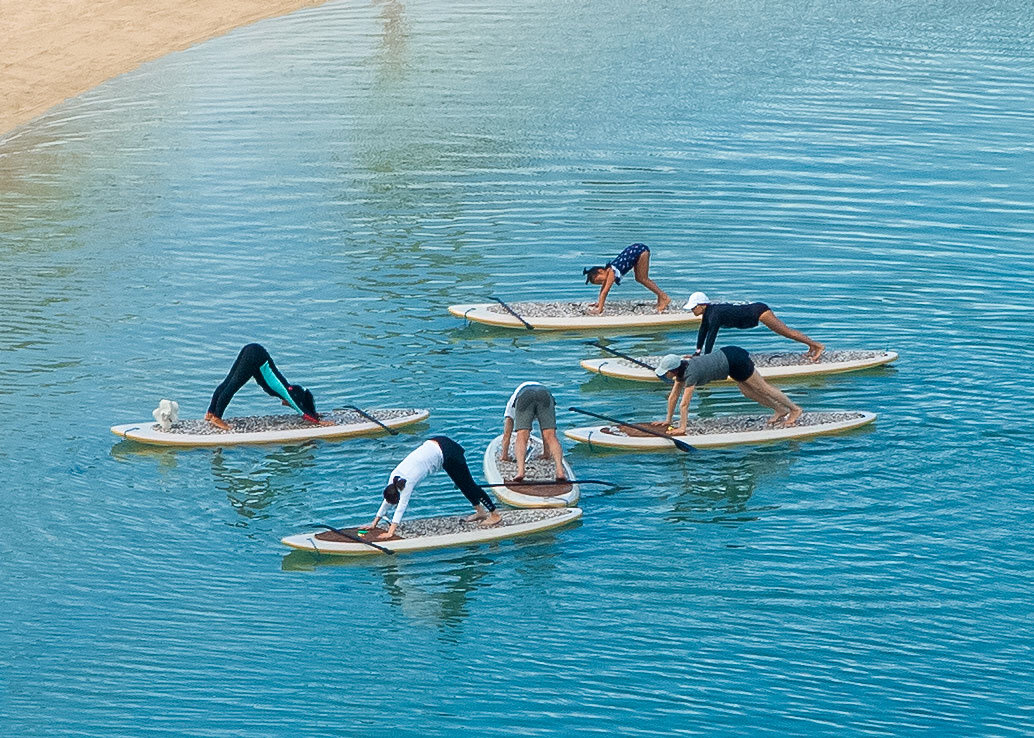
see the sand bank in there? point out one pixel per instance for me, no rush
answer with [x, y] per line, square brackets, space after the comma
[52, 50]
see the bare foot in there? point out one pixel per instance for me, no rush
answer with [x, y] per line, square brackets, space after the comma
[518, 478]
[493, 519]
[475, 517]
[505, 457]
[327, 422]
[217, 422]
[663, 303]
[816, 351]
[793, 417]
[561, 476]
[776, 420]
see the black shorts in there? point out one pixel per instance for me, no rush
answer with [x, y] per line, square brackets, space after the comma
[741, 366]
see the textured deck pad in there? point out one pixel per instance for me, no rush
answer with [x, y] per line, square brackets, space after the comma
[535, 469]
[282, 428]
[771, 364]
[729, 430]
[574, 315]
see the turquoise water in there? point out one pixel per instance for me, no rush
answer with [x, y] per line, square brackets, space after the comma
[328, 182]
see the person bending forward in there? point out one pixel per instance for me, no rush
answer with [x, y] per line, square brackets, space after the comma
[254, 362]
[728, 361]
[439, 452]
[531, 401]
[635, 258]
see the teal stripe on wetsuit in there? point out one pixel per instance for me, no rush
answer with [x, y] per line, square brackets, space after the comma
[277, 386]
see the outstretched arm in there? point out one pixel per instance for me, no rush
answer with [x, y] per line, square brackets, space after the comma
[672, 397]
[684, 410]
[504, 451]
[608, 282]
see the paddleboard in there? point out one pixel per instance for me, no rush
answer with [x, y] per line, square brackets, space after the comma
[571, 316]
[537, 468]
[423, 534]
[728, 430]
[771, 365]
[268, 428]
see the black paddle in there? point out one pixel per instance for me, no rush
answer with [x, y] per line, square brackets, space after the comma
[512, 312]
[620, 355]
[369, 417]
[548, 483]
[680, 445]
[357, 539]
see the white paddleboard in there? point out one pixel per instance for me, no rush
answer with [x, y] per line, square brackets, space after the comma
[571, 316]
[770, 365]
[423, 534]
[548, 495]
[268, 429]
[729, 430]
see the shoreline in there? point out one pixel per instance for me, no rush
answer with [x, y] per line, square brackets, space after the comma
[54, 50]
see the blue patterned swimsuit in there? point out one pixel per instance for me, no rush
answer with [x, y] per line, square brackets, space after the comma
[625, 261]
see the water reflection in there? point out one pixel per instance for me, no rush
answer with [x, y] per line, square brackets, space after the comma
[251, 488]
[717, 487]
[436, 589]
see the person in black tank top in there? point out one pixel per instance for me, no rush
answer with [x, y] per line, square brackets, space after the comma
[718, 315]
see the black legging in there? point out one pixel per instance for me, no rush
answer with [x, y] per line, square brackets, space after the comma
[249, 362]
[454, 463]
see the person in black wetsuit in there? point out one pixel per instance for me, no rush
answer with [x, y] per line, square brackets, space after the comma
[254, 362]
[717, 315]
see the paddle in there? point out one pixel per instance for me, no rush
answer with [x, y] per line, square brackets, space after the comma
[620, 355]
[512, 312]
[369, 417]
[357, 539]
[548, 483]
[680, 445]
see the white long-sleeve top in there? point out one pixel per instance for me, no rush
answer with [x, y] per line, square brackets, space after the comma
[511, 411]
[425, 460]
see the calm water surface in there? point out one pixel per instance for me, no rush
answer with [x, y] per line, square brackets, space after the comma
[328, 182]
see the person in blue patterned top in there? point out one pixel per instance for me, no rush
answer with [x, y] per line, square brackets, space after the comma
[635, 259]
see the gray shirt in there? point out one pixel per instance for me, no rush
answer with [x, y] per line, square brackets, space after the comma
[708, 368]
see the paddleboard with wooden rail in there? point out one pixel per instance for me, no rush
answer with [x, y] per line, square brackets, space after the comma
[573, 317]
[425, 534]
[526, 495]
[733, 430]
[624, 369]
[286, 429]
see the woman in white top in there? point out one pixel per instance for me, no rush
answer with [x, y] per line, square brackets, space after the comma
[440, 452]
[529, 402]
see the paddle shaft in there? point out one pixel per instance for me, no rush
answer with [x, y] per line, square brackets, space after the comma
[680, 445]
[512, 312]
[357, 539]
[392, 431]
[626, 357]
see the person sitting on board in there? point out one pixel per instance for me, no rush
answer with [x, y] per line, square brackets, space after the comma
[439, 452]
[635, 258]
[717, 315]
[529, 402]
[254, 362]
[728, 361]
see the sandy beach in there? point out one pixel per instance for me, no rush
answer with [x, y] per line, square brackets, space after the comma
[55, 49]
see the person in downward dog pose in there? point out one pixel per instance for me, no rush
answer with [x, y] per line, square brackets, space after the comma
[635, 258]
[439, 452]
[254, 362]
[529, 402]
[728, 361]
[718, 315]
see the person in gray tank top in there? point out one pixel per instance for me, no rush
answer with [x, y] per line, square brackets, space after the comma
[728, 361]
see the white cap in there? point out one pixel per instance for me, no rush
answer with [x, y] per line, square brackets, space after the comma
[697, 298]
[667, 363]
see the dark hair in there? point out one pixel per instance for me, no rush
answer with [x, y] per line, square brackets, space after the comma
[680, 371]
[591, 273]
[391, 492]
[303, 399]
